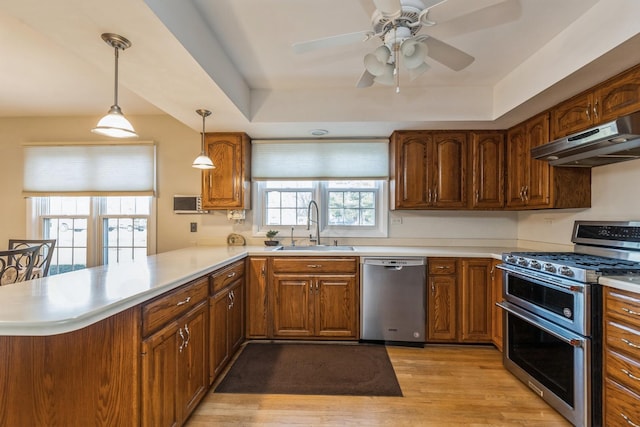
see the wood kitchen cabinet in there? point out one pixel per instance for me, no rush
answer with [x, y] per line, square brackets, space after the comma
[458, 300]
[613, 98]
[315, 297]
[496, 312]
[533, 184]
[227, 185]
[487, 169]
[174, 354]
[428, 169]
[621, 358]
[226, 316]
[257, 298]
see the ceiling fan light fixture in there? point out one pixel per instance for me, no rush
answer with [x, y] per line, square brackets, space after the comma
[375, 62]
[414, 53]
[387, 78]
[114, 124]
[203, 161]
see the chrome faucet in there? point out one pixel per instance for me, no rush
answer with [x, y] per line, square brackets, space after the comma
[317, 220]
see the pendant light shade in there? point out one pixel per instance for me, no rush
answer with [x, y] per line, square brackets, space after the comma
[203, 161]
[114, 124]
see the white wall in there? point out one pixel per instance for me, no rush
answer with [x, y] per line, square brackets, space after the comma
[615, 196]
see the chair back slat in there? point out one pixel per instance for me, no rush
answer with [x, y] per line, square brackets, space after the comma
[16, 265]
[44, 256]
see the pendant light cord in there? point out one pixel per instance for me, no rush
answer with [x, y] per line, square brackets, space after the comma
[115, 89]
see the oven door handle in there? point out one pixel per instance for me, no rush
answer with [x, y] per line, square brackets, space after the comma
[573, 341]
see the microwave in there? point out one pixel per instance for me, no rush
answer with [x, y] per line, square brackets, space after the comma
[187, 204]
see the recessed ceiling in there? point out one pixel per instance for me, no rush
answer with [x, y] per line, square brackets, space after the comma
[235, 57]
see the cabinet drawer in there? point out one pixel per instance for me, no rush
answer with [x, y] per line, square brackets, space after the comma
[315, 265]
[169, 306]
[623, 305]
[220, 279]
[621, 405]
[623, 369]
[621, 337]
[442, 265]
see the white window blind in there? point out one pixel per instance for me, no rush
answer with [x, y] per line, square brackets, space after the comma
[320, 160]
[97, 169]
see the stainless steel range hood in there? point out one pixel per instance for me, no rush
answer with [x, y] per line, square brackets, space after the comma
[610, 142]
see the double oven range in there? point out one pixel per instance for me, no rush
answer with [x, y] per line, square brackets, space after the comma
[552, 305]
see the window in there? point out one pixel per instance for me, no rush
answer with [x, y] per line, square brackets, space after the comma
[93, 230]
[348, 208]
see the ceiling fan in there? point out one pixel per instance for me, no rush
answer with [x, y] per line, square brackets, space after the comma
[398, 24]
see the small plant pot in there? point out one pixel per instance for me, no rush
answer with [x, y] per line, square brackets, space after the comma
[271, 243]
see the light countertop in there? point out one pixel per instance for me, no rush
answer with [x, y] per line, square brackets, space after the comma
[71, 301]
[625, 283]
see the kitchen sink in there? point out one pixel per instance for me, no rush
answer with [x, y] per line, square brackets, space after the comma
[323, 248]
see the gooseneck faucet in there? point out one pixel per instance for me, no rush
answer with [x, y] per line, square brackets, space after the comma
[317, 220]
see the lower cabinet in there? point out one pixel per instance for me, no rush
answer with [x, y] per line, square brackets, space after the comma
[174, 355]
[257, 305]
[458, 300]
[315, 297]
[226, 316]
[496, 312]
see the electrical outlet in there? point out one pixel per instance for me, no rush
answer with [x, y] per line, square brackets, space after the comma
[397, 220]
[194, 227]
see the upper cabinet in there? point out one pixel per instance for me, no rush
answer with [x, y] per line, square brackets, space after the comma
[613, 98]
[487, 169]
[428, 169]
[227, 185]
[533, 184]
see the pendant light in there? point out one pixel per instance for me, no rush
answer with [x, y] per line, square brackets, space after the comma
[203, 161]
[114, 124]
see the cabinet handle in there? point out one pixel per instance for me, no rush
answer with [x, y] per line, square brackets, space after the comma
[182, 345]
[526, 192]
[314, 265]
[588, 111]
[186, 329]
[433, 288]
[230, 275]
[435, 195]
[477, 196]
[263, 271]
[629, 343]
[429, 196]
[230, 298]
[186, 301]
[631, 423]
[595, 110]
[629, 374]
[629, 311]
[442, 267]
[522, 193]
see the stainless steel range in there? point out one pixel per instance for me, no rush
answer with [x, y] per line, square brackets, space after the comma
[553, 307]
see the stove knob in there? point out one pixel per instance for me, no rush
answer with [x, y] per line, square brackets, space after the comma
[549, 268]
[510, 258]
[523, 262]
[535, 264]
[566, 271]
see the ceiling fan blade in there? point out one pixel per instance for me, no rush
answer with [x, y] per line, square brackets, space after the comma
[491, 16]
[447, 55]
[326, 42]
[452, 9]
[366, 80]
[389, 8]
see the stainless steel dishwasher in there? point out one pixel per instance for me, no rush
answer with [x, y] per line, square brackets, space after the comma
[393, 299]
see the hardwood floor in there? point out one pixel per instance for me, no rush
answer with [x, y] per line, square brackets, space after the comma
[442, 386]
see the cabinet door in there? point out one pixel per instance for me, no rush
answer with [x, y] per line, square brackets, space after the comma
[517, 166]
[538, 189]
[335, 306]
[449, 170]
[442, 308]
[224, 186]
[160, 377]
[257, 302]
[292, 310]
[411, 170]
[487, 159]
[236, 317]
[496, 312]
[573, 115]
[619, 96]
[193, 374]
[475, 301]
[219, 337]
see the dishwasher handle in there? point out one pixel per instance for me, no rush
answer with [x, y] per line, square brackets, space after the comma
[395, 263]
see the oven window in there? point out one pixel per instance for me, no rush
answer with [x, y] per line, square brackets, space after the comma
[543, 356]
[551, 299]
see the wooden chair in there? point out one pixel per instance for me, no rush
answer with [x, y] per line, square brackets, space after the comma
[16, 265]
[43, 261]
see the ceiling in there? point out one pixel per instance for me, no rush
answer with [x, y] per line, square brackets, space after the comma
[234, 57]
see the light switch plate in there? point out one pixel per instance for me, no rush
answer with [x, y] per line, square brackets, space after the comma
[194, 227]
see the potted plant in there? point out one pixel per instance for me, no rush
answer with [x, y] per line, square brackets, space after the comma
[270, 235]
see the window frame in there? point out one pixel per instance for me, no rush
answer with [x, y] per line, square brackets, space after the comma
[320, 194]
